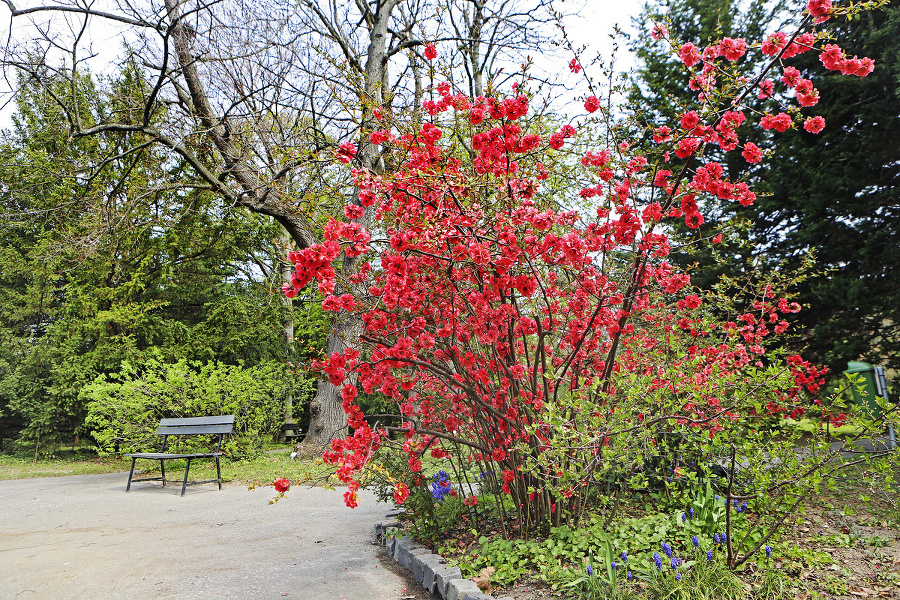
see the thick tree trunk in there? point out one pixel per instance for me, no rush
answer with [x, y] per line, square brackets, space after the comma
[327, 418]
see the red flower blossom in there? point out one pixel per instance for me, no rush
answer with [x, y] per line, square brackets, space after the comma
[401, 493]
[819, 8]
[814, 124]
[430, 51]
[689, 54]
[591, 104]
[752, 153]
[282, 485]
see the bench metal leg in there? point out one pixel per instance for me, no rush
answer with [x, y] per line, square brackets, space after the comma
[162, 467]
[186, 469]
[130, 475]
[219, 473]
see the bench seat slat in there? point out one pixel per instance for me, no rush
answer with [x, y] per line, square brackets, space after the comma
[158, 455]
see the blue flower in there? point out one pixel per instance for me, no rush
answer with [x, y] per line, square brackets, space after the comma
[589, 570]
[657, 560]
[613, 564]
[667, 549]
[678, 576]
[441, 486]
[674, 563]
[768, 551]
[709, 555]
[744, 506]
[683, 517]
[716, 538]
[724, 538]
[695, 541]
[624, 557]
[628, 576]
[691, 510]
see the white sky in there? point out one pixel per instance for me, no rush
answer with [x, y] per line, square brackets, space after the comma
[592, 29]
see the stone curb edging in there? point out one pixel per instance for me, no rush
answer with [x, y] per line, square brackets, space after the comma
[429, 569]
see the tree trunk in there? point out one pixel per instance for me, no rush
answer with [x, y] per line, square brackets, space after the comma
[327, 418]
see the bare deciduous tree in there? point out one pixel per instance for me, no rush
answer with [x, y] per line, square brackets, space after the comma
[255, 95]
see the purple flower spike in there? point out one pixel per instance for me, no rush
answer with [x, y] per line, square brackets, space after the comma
[768, 551]
[695, 541]
[667, 549]
[589, 570]
[709, 555]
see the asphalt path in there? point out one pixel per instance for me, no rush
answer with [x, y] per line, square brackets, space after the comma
[84, 537]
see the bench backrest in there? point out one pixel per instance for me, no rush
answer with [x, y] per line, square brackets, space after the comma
[218, 425]
[221, 424]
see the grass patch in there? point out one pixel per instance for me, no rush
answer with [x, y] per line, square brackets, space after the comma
[17, 467]
[260, 469]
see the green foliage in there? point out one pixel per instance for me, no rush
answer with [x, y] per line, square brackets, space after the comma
[124, 409]
[105, 258]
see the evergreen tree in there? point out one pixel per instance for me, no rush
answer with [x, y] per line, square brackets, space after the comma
[102, 264]
[833, 195]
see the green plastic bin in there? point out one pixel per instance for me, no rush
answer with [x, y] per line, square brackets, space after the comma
[867, 375]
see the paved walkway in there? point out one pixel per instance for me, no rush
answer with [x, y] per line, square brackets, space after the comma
[84, 537]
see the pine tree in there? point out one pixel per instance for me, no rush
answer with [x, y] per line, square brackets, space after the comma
[833, 195]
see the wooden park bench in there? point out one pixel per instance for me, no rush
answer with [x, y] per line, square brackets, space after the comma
[220, 425]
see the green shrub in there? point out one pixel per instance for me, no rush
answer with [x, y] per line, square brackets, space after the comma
[124, 409]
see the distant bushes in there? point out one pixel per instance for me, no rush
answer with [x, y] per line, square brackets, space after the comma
[124, 409]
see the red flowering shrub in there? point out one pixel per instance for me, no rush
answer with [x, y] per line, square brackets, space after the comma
[554, 348]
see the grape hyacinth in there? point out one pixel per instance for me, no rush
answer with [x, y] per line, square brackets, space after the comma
[667, 549]
[657, 560]
[441, 486]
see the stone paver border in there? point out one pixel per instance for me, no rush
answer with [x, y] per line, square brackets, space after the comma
[429, 569]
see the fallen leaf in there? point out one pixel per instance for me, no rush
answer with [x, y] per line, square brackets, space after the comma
[483, 581]
[801, 595]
